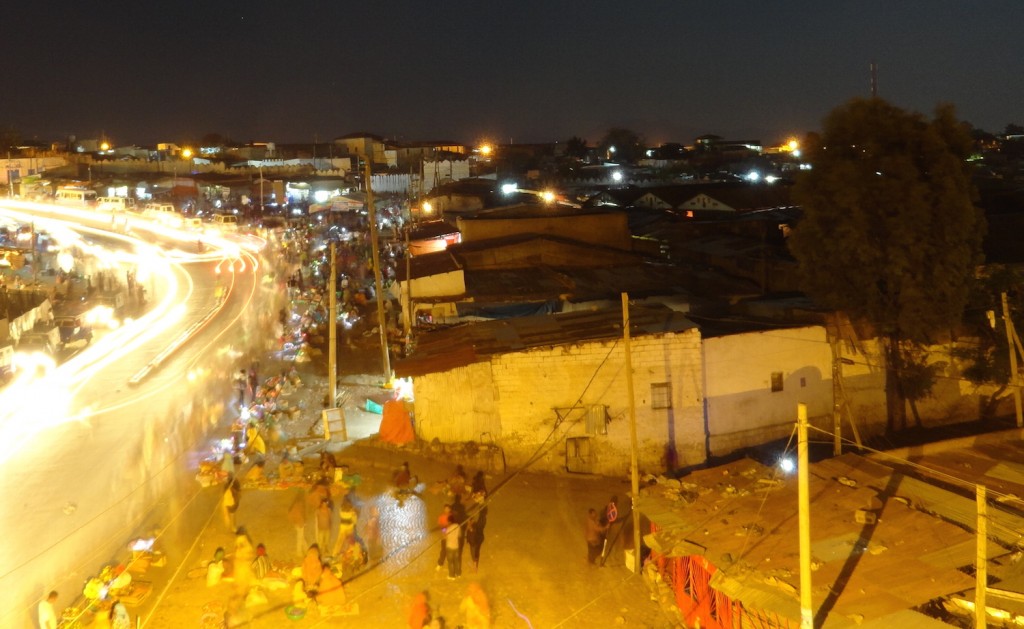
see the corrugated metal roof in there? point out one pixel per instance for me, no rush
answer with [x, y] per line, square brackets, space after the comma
[478, 341]
[746, 517]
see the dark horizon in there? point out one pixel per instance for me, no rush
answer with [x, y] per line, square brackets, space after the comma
[469, 72]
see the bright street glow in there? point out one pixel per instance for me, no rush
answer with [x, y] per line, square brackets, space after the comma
[771, 178]
[427, 207]
[753, 176]
[787, 464]
[617, 176]
[508, 188]
[485, 150]
[547, 196]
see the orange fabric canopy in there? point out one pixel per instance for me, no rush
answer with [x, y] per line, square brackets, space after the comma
[396, 424]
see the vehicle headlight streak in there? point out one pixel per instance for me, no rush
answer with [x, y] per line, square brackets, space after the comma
[37, 401]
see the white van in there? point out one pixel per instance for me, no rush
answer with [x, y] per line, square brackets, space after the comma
[163, 213]
[115, 204]
[225, 222]
[75, 196]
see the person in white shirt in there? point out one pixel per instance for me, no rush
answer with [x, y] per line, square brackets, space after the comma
[47, 614]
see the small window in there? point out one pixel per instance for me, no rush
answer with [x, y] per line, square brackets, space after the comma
[661, 395]
[776, 381]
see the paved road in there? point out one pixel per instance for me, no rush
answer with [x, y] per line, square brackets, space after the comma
[75, 491]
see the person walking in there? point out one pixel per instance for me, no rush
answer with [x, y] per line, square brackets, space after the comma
[297, 516]
[452, 541]
[475, 539]
[371, 533]
[229, 502]
[347, 519]
[594, 532]
[241, 385]
[323, 524]
[442, 521]
[476, 608]
[47, 615]
[611, 514]
[245, 553]
[459, 515]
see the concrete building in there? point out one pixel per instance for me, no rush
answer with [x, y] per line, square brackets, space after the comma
[554, 388]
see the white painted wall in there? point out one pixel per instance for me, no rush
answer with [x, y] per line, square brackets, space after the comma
[953, 399]
[513, 397]
[742, 409]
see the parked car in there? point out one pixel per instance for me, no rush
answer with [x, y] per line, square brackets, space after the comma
[39, 341]
[72, 330]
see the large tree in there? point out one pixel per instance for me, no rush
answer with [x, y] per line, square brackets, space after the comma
[621, 145]
[890, 233]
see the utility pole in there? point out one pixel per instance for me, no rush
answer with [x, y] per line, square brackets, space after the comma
[375, 247]
[804, 497]
[332, 348]
[634, 471]
[407, 293]
[1011, 335]
[981, 558]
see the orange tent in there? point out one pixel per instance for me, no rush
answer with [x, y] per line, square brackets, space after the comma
[396, 423]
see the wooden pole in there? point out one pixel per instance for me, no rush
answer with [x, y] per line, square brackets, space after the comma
[634, 463]
[803, 485]
[981, 560]
[332, 346]
[1014, 378]
[379, 283]
[837, 374]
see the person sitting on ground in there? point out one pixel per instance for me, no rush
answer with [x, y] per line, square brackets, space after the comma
[331, 592]
[402, 476]
[261, 563]
[215, 569]
[312, 568]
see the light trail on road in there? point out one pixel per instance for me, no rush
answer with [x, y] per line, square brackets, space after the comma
[36, 402]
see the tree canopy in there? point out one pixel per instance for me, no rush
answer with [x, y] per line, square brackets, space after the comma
[628, 145]
[890, 233]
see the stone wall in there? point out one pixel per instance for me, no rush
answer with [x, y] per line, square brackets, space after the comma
[519, 397]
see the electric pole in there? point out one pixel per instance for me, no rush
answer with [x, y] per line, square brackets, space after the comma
[804, 498]
[375, 248]
[634, 464]
[1011, 339]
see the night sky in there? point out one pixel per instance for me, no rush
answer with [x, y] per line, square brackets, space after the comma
[525, 71]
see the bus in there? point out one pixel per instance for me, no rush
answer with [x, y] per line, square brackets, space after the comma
[75, 196]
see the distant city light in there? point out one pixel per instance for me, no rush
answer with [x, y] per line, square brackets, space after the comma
[548, 196]
[186, 153]
[485, 150]
[617, 176]
[753, 176]
[771, 178]
[508, 188]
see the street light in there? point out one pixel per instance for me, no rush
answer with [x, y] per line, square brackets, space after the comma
[547, 196]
